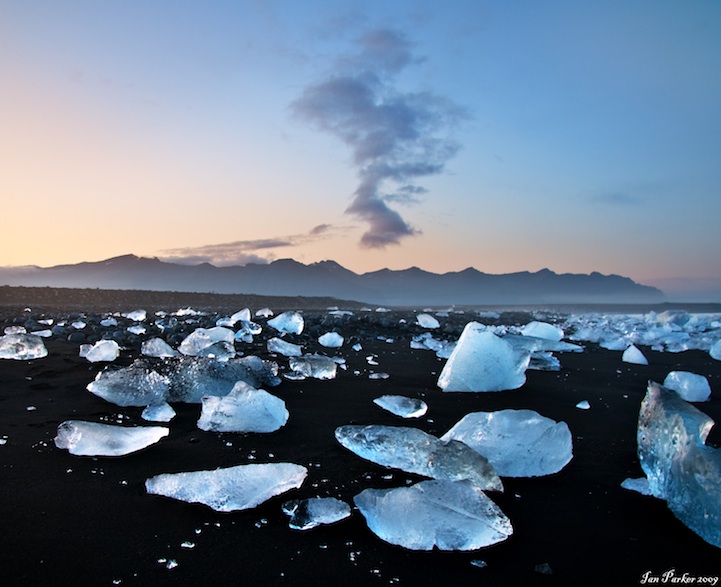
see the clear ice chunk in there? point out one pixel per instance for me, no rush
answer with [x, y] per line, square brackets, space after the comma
[208, 341]
[639, 485]
[282, 347]
[103, 350]
[543, 330]
[288, 322]
[244, 409]
[229, 489]
[105, 440]
[331, 340]
[316, 511]
[427, 321]
[482, 361]
[448, 515]
[680, 468]
[22, 347]
[542, 361]
[690, 386]
[136, 315]
[400, 405]
[518, 443]
[414, 451]
[162, 412]
[135, 385]
[157, 347]
[633, 355]
[315, 366]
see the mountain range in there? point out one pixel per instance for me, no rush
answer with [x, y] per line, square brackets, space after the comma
[286, 277]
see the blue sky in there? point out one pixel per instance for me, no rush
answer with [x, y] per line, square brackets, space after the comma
[507, 136]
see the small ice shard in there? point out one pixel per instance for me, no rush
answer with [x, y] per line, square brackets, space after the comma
[315, 366]
[378, 376]
[105, 440]
[533, 344]
[136, 315]
[108, 322]
[310, 513]
[414, 451]
[244, 409]
[22, 347]
[157, 347]
[247, 330]
[162, 412]
[135, 385]
[583, 405]
[103, 350]
[264, 313]
[680, 467]
[282, 347]
[542, 361]
[427, 321]
[691, 387]
[209, 341]
[639, 485]
[331, 340]
[191, 378]
[482, 361]
[426, 341]
[402, 406]
[715, 350]
[542, 330]
[448, 515]
[633, 355]
[518, 443]
[136, 329]
[229, 489]
[230, 321]
[79, 324]
[42, 333]
[288, 322]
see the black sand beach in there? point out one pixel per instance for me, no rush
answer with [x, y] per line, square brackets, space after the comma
[88, 521]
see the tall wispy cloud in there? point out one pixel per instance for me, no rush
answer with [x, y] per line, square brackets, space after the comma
[395, 137]
[258, 251]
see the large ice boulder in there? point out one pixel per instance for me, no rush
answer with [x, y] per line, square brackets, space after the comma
[244, 409]
[690, 386]
[448, 515]
[415, 451]
[229, 489]
[483, 361]
[105, 440]
[518, 443]
[680, 468]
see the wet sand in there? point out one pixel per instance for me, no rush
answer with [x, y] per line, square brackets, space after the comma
[89, 521]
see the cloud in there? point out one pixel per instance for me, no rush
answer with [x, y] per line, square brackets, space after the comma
[242, 252]
[395, 137]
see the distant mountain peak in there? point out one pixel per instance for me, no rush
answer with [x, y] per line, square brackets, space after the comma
[288, 277]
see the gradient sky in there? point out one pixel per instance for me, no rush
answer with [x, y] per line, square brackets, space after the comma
[507, 136]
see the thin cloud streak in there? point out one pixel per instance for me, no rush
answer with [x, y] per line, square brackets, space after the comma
[395, 137]
[242, 252]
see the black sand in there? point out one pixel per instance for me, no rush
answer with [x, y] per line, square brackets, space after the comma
[88, 521]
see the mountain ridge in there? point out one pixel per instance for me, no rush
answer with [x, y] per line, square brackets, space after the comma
[287, 277]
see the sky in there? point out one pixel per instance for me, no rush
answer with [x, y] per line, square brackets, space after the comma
[505, 136]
